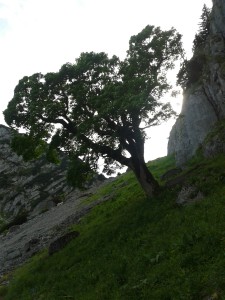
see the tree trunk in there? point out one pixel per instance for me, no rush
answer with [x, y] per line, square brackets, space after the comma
[145, 178]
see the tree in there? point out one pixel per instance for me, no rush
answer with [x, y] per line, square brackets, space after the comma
[99, 106]
[204, 28]
[191, 70]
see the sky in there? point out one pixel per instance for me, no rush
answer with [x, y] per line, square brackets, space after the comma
[42, 35]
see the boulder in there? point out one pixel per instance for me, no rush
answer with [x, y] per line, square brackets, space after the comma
[171, 173]
[189, 194]
[62, 241]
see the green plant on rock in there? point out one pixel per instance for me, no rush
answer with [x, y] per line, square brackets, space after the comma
[192, 70]
[18, 220]
[58, 198]
[204, 28]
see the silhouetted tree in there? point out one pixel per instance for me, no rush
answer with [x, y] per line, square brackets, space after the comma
[204, 27]
[99, 106]
[191, 70]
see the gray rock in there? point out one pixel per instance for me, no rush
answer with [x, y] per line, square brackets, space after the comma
[14, 228]
[195, 122]
[27, 186]
[31, 244]
[204, 102]
[62, 241]
[171, 173]
[32, 187]
[189, 194]
[214, 146]
[15, 253]
[37, 233]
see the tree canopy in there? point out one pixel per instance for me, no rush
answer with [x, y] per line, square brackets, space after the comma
[98, 106]
[204, 27]
[191, 70]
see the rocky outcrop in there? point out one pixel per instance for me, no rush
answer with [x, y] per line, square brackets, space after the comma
[214, 144]
[29, 188]
[204, 101]
[62, 241]
[38, 233]
[188, 195]
[197, 118]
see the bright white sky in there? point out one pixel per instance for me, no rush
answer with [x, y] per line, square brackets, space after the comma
[42, 35]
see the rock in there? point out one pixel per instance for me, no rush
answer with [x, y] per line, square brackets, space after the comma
[195, 122]
[31, 244]
[171, 173]
[14, 228]
[177, 181]
[39, 232]
[214, 296]
[215, 142]
[27, 186]
[189, 194]
[15, 253]
[204, 101]
[32, 187]
[61, 242]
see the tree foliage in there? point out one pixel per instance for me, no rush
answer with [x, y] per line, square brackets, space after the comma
[99, 106]
[204, 27]
[191, 70]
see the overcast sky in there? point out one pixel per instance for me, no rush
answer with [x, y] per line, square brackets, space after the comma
[41, 35]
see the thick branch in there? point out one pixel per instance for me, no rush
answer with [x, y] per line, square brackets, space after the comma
[55, 121]
[104, 150]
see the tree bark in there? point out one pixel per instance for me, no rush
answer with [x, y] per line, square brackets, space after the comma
[145, 178]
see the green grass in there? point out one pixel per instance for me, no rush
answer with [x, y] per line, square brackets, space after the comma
[136, 248]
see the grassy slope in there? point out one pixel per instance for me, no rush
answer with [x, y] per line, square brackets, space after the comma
[134, 248]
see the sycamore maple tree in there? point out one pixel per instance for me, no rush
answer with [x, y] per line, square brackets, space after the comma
[98, 107]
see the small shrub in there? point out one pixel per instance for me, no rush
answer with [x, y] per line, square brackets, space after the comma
[18, 220]
[58, 198]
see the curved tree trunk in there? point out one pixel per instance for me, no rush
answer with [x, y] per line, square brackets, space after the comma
[145, 178]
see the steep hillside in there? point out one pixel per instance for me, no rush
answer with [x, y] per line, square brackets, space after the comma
[130, 247]
[19, 242]
[204, 98]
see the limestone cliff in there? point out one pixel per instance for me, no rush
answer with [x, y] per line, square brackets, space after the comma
[29, 188]
[204, 100]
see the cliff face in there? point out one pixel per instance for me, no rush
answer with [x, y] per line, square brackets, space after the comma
[204, 101]
[28, 188]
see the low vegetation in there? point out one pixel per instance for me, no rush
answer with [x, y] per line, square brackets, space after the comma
[18, 220]
[133, 248]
